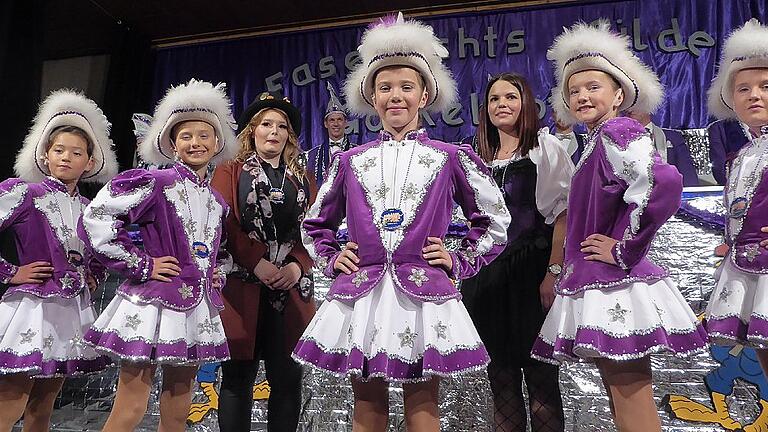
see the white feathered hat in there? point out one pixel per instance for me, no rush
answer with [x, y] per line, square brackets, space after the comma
[745, 48]
[395, 42]
[584, 47]
[195, 100]
[66, 107]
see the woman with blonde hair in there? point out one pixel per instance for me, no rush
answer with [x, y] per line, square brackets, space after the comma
[269, 295]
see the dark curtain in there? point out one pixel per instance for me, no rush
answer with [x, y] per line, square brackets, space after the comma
[21, 61]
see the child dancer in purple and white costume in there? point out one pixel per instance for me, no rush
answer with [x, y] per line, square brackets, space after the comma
[167, 311]
[738, 308]
[613, 305]
[393, 313]
[47, 307]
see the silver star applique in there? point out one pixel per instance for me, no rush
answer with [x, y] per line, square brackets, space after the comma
[67, 232]
[53, 207]
[133, 321]
[208, 327]
[77, 342]
[407, 337]
[132, 260]
[725, 293]
[752, 251]
[617, 313]
[48, 342]
[67, 282]
[185, 291]
[499, 206]
[410, 191]
[426, 160]
[182, 196]
[568, 271]
[440, 330]
[99, 211]
[368, 163]
[26, 337]
[381, 191]
[322, 262]
[360, 277]
[418, 276]
[469, 253]
[191, 226]
[629, 170]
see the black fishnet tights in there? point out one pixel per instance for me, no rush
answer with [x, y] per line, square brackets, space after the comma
[544, 404]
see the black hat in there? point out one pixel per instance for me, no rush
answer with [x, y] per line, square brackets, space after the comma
[270, 100]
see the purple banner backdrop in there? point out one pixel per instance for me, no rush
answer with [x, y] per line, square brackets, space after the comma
[680, 39]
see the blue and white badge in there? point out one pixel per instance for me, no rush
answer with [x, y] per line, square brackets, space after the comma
[200, 250]
[738, 208]
[392, 219]
[276, 195]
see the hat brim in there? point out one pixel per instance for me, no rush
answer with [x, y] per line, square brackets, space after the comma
[412, 60]
[736, 66]
[164, 143]
[70, 118]
[294, 116]
[596, 61]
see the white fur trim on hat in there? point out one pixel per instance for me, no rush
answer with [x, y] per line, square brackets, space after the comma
[745, 48]
[195, 100]
[400, 43]
[66, 107]
[584, 47]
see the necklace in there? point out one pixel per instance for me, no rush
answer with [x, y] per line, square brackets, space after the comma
[276, 195]
[200, 249]
[392, 218]
[72, 243]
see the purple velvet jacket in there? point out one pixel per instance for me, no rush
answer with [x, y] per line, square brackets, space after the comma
[743, 228]
[726, 137]
[679, 155]
[174, 209]
[623, 190]
[443, 173]
[32, 212]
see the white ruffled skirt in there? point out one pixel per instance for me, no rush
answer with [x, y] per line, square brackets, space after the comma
[43, 337]
[151, 333]
[386, 334]
[737, 312]
[620, 324]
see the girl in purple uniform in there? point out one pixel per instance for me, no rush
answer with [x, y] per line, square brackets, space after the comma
[47, 307]
[167, 311]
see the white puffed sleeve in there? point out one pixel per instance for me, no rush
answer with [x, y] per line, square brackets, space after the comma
[554, 170]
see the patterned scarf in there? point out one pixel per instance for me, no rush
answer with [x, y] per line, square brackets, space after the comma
[257, 221]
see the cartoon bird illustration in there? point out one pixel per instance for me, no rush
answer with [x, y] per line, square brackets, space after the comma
[207, 376]
[736, 363]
